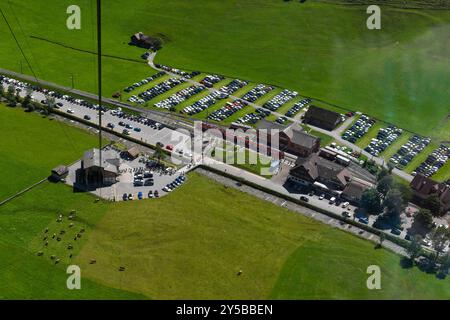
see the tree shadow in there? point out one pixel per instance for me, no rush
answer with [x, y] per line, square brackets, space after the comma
[406, 263]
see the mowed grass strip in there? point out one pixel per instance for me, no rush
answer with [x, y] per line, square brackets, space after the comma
[32, 145]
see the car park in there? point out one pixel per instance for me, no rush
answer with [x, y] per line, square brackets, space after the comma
[436, 160]
[156, 90]
[227, 111]
[358, 129]
[144, 81]
[409, 150]
[280, 99]
[297, 107]
[257, 92]
[385, 137]
[179, 97]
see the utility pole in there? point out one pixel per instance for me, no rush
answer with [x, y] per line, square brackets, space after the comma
[71, 77]
[99, 69]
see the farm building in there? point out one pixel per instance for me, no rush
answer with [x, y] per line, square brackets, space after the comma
[94, 174]
[143, 41]
[322, 118]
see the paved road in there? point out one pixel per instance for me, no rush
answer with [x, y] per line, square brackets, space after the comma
[336, 134]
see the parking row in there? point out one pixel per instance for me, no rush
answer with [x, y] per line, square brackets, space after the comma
[179, 72]
[254, 117]
[280, 99]
[436, 160]
[257, 92]
[385, 137]
[358, 129]
[233, 86]
[227, 110]
[144, 82]
[179, 97]
[204, 103]
[409, 150]
[211, 80]
[297, 107]
[156, 90]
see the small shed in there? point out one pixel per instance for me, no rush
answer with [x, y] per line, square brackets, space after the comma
[59, 173]
[133, 152]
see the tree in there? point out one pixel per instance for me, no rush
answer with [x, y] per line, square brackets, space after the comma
[405, 190]
[394, 205]
[383, 173]
[391, 167]
[445, 264]
[159, 152]
[371, 201]
[10, 96]
[385, 184]
[2, 91]
[433, 203]
[414, 248]
[439, 238]
[423, 221]
[27, 103]
[48, 107]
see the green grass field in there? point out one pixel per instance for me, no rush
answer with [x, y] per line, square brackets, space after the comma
[398, 74]
[32, 145]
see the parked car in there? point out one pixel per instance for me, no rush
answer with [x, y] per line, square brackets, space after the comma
[140, 195]
[363, 220]
[396, 231]
[305, 199]
[321, 197]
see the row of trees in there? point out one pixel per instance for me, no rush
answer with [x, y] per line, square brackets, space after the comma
[13, 98]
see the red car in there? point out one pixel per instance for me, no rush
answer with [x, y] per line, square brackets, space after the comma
[169, 147]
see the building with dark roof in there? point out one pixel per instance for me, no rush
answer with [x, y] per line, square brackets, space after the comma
[94, 173]
[315, 169]
[322, 118]
[143, 41]
[423, 187]
[292, 139]
[354, 190]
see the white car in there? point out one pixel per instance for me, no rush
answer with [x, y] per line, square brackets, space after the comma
[321, 197]
[345, 204]
[70, 111]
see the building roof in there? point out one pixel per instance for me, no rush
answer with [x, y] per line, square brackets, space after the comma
[133, 152]
[303, 139]
[110, 161]
[318, 167]
[355, 189]
[60, 170]
[322, 115]
[269, 125]
[424, 185]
